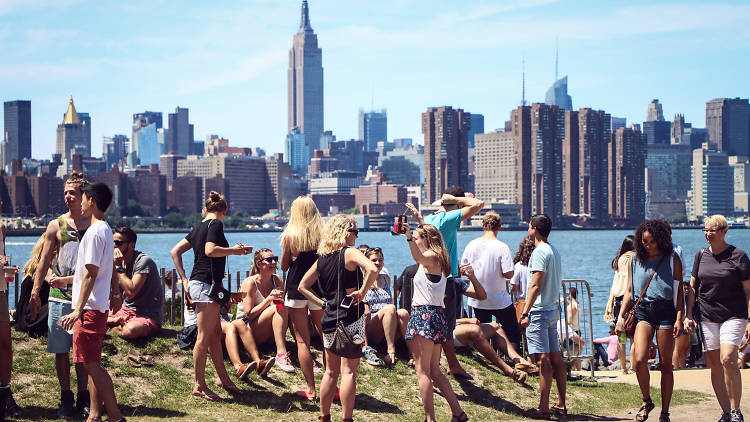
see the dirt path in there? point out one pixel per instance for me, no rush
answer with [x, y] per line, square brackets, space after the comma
[688, 379]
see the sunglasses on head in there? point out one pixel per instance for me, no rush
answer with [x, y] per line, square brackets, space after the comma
[271, 259]
[120, 242]
[373, 250]
[355, 231]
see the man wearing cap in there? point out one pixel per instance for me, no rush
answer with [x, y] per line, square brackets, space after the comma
[455, 207]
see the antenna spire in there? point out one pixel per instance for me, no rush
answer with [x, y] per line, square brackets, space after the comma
[523, 81]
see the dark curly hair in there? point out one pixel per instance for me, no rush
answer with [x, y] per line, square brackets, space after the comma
[662, 235]
[525, 248]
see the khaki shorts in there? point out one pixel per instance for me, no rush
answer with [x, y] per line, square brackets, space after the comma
[4, 313]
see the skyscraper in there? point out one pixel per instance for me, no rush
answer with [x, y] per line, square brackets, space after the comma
[570, 166]
[179, 137]
[712, 184]
[557, 94]
[114, 149]
[477, 127]
[74, 133]
[496, 168]
[657, 132]
[305, 83]
[678, 129]
[594, 134]
[445, 149]
[145, 137]
[728, 126]
[297, 152]
[373, 128]
[17, 136]
[627, 196]
[654, 112]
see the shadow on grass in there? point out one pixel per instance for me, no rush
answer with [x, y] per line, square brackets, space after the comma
[48, 413]
[484, 397]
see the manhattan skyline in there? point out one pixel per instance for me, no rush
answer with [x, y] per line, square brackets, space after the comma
[227, 63]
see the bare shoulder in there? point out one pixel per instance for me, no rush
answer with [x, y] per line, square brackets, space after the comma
[248, 283]
[53, 230]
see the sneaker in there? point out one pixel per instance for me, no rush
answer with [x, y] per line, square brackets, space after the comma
[264, 366]
[725, 417]
[283, 363]
[67, 405]
[244, 370]
[736, 416]
[370, 357]
[83, 403]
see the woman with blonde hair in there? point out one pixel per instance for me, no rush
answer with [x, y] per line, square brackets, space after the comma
[210, 249]
[261, 315]
[299, 245]
[428, 329]
[339, 272]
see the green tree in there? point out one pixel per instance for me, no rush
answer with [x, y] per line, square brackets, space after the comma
[174, 220]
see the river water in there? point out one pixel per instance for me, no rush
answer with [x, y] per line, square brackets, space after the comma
[586, 254]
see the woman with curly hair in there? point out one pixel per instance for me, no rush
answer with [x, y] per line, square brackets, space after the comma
[339, 274]
[520, 280]
[657, 311]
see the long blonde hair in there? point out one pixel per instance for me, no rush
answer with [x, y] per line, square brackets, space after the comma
[334, 233]
[302, 232]
[36, 255]
[434, 241]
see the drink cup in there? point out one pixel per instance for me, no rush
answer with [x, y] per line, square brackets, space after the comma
[72, 329]
[278, 301]
[622, 338]
[10, 273]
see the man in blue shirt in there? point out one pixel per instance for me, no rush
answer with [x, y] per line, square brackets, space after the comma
[540, 316]
[455, 207]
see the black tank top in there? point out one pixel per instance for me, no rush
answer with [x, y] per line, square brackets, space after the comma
[328, 282]
[297, 270]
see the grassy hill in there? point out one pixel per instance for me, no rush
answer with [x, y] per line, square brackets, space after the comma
[163, 391]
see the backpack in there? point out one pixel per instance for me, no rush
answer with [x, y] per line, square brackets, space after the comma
[22, 319]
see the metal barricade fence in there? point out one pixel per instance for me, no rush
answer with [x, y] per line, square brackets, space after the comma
[576, 345]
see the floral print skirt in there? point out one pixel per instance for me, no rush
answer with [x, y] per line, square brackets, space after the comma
[428, 321]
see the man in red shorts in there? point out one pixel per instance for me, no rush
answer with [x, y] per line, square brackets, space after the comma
[142, 312]
[92, 285]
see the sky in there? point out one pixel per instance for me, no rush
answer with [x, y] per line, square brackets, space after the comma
[227, 60]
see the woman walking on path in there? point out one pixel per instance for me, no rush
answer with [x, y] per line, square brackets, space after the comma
[653, 260]
[210, 248]
[620, 283]
[721, 281]
[299, 243]
[339, 271]
[428, 328]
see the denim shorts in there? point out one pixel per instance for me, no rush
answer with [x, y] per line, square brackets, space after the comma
[199, 291]
[660, 315]
[58, 340]
[541, 334]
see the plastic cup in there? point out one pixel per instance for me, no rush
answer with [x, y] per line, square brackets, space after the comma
[72, 329]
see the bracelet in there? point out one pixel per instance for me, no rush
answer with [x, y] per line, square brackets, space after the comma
[409, 239]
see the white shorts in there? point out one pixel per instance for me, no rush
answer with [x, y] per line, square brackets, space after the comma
[300, 303]
[727, 332]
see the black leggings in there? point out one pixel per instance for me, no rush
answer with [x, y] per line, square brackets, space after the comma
[601, 353]
[506, 317]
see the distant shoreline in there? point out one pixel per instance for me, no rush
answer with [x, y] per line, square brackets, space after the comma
[38, 231]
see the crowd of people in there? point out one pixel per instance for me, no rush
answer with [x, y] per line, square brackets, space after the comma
[89, 279]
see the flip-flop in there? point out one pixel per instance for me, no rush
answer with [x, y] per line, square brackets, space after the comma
[209, 397]
[304, 395]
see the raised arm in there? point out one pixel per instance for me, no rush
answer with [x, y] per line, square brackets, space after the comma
[415, 212]
[354, 257]
[475, 290]
[469, 206]
[45, 261]
[212, 250]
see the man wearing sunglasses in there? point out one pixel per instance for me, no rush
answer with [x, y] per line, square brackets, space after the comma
[142, 312]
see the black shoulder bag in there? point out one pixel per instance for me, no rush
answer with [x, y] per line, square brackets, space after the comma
[217, 292]
[344, 344]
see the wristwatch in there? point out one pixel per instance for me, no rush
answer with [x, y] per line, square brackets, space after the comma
[120, 269]
[525, 315]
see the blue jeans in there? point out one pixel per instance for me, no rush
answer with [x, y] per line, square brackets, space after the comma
[541, 334]
[58, 340]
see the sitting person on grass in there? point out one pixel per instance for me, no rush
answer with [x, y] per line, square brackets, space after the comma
[142, 312]
[471, 332]
[261, 316]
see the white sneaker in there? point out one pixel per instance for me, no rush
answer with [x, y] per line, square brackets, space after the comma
[283, 363]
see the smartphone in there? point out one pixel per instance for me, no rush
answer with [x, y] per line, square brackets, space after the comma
[347, 302]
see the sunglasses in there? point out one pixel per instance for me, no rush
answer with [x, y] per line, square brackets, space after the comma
[712, 230]
[271, 259]
[373, 250]
[355, 231]
[121, 242]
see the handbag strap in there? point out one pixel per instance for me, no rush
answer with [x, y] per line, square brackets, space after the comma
[637, 302]
[211, 261]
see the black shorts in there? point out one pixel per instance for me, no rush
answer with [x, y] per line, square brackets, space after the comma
[451, 304]
[661, 315]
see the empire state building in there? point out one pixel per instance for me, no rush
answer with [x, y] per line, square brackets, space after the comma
[305, 83]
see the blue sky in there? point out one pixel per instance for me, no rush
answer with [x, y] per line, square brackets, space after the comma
[226, 60]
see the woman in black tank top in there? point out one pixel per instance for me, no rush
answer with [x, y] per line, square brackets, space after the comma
[299, 243]
[338, 276]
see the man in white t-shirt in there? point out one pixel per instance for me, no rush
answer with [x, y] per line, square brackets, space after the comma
[93, 289]
[493, 266]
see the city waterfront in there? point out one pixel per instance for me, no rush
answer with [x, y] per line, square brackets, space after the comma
[586, 255]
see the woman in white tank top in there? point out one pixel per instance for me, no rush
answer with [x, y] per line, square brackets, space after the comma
[428, 329]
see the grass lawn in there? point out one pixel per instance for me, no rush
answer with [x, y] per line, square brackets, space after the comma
[163, 391]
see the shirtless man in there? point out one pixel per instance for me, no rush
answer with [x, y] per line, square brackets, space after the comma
[61, 241]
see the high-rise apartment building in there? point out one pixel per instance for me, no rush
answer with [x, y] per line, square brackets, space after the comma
[373, 128]
[17, 131]
[627, 196]
[594, 134]
[445, 149]
[668, 171]
[727, 122]
[741, 173]
[114, 149]
[654, 112]
[570, 165]
[712, 184]
[403, 164]
[74, 133]
[477, 127]
[495, 171]
[296, 151]
[618, 122]
[179, 138]
[305, 83]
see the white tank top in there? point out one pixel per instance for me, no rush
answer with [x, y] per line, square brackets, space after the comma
[241, 308]
[427, 292]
